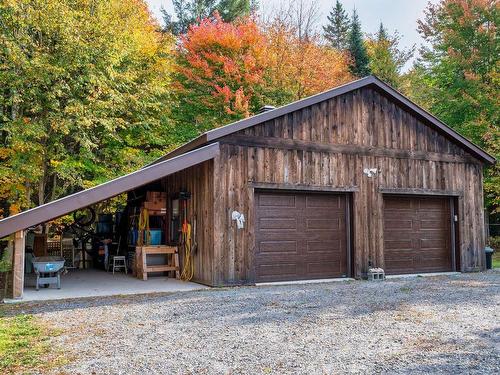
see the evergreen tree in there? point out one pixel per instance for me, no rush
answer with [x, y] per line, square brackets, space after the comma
[230, 10]
[182, 13]
[337, 30]
[360, 61]
[386, 58]
[382, 34]
[189, 12]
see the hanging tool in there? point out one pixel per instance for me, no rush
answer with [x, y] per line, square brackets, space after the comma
[143, 227]
[188, 268]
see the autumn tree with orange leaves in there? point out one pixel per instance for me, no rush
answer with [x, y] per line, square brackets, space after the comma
[299, 67]
[227, 71]
[219, 71]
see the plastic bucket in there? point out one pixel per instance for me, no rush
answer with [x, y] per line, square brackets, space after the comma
[156, 236]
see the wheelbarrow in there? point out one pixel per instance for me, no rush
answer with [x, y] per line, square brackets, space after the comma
[48, 270]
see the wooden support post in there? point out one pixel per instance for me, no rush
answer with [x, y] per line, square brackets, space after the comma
[18, 265]
[176, 265]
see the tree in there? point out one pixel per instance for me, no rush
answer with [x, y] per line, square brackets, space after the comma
[337, 29]
[219, 68]
[84, 85]
[228, 71]
[301, 16]
[190, 12]
[386, 58]
[360, 61]
[297, 68]
[457, 77]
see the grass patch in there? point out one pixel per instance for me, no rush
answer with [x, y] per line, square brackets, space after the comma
[496, 259]
[23, 345]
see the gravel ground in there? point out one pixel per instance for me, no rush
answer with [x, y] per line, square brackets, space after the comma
[446, 324]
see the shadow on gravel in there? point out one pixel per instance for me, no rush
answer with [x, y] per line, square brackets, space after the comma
[261, 305]
[477, 354]
[81, 303]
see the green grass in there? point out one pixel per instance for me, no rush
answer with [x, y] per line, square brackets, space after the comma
[23, 344]
[496, 259]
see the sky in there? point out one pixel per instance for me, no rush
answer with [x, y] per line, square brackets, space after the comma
[400, 15]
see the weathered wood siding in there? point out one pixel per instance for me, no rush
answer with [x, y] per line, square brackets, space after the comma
[198, 180]
[327, 146]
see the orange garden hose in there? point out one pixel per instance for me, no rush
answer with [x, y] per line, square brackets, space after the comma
[188, 269]
[143, 227]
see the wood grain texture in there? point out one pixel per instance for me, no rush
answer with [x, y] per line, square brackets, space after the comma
[198, 180]
[18, 264]
[328, 145]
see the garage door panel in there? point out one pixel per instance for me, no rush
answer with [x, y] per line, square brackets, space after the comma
[321, 268]
[318, 201]
[279, 246]
[435, 244]
[398, 245]
[401, 264]
[431, 224]
[277, 223]
[324, 224]
[277, 270]
[432, 204]
[400, 224]
[276, 200]
[331, 247]
[423, 246]
[300, 236]
[322, 236]
[433, 265]
[405, 205]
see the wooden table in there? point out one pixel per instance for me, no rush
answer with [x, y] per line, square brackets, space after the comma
[142, 268]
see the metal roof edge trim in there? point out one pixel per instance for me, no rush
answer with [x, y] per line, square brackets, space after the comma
[110, 189]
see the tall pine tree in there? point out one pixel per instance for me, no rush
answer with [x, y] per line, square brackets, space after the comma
[337, 29]
[386, 57]
[360, 61]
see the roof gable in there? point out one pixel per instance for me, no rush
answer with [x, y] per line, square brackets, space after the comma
[372, 81]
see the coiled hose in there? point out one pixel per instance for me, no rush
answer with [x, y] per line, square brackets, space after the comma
[188, 269]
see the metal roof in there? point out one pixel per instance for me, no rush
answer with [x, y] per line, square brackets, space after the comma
[110, 189]
[372, 81]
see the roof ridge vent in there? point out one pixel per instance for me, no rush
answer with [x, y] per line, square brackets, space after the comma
[266, 108]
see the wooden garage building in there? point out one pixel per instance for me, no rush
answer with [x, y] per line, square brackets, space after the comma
[354, 177]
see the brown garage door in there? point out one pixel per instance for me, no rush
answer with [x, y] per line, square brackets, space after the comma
[300, 236]
[417, 235]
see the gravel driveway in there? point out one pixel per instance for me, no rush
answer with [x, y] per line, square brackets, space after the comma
[446, 324]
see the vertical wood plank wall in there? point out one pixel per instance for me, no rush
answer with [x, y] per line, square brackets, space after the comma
[328, 145]
[198, 180]
[18, 264]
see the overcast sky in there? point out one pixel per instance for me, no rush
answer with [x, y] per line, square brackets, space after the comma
[401, 15]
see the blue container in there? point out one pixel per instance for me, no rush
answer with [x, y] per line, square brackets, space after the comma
[156, 236]
[104, 228]
[132, 239]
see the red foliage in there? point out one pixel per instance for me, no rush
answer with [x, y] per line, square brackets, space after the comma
[225, 57]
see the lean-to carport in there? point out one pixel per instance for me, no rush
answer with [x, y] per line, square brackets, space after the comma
[17, 224]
